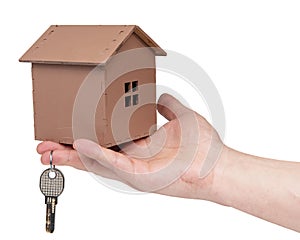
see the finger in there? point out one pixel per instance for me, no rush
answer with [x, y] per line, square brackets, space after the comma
[67, 157]
[71, 158]
[106, 157]
[170, 107]
[48, 146]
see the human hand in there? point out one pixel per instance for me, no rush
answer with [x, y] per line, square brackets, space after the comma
[178, 160]
[186, 158]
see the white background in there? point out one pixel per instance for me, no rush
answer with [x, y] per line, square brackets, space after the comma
[250, 49]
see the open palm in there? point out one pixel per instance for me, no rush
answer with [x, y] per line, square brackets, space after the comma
[168, 162]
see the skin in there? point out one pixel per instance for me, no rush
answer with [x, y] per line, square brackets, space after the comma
[262, 187]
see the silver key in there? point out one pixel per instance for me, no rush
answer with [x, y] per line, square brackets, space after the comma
[52, 185]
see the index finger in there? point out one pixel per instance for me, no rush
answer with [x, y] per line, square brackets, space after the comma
[51, 146]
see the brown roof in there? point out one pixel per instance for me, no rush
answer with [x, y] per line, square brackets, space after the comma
[84, 44]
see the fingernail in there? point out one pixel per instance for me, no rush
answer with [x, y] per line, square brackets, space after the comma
[85, 145]
[79, 143]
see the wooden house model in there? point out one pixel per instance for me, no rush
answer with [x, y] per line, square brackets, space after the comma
[72, 59]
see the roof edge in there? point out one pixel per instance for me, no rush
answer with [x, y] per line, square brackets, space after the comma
[149, 41]
[64, 62]
[23, 58]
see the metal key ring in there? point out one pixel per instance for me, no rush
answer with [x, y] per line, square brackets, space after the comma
[51, 160]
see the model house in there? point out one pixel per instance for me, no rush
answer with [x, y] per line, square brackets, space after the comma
[95, 82]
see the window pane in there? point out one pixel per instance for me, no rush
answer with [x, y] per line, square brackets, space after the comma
[135, 99]
[127, 101]
[127, 87]
[134, 86]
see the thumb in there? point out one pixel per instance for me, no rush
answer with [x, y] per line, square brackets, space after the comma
[106, 157]
[170, 107]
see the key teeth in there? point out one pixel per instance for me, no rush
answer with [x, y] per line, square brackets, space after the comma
[50, 213]
[50, 223]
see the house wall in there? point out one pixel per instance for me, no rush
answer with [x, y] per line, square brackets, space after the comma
[55, 88]
[136, 121]
[63, 113]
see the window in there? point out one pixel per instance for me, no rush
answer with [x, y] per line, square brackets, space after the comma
[129, 88]
[134, 86]
[135, 99]
[127, 101]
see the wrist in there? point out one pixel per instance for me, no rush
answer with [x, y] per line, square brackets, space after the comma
[225, 169]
